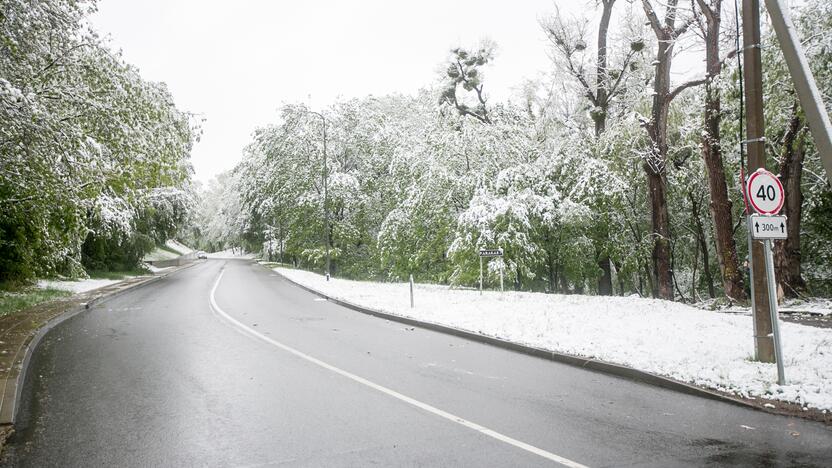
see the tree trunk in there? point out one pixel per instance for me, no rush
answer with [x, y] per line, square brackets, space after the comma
[599, 116]
[703, 246]
[720, 206]
[661, 279]
[550, 267]
[620, 278]
[605, 281]
[655, 166]
[564, 284]
[787, 252]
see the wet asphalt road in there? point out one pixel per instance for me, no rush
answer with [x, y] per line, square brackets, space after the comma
[155, 377]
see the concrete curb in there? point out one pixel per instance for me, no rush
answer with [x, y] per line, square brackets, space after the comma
[12, 386]
[585, 363]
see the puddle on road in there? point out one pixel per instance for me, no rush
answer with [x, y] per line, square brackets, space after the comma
[738, 454]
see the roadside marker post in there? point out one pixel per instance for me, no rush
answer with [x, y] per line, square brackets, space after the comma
[411, 291]
[765, 194]
[491, 253]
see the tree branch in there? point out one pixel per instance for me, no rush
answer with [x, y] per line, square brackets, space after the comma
[671, 95]
[621, 73]
[706, 10]
[651, 16]
[684, 27]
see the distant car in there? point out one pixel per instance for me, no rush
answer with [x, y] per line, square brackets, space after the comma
[201, 254]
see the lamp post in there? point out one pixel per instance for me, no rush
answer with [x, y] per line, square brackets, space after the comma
[326, 195]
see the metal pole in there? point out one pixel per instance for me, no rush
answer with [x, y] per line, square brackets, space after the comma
[326, 204]
[480, 275]
[775, 323]
[411, 291]
[755, 144]
[804, 82]
[326, 196]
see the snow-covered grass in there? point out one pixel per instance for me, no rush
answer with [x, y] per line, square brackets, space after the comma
[154, 269]
[810, 305]
[13, 300]
[705, 348]
[170, 250]
[159, 254]
[177, 246]
[231, 253]
[815, 306]
[77, 286]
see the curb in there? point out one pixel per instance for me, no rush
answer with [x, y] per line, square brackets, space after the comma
[12, 386]
[577, 361]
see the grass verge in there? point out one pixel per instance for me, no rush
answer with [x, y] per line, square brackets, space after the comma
[13, 299]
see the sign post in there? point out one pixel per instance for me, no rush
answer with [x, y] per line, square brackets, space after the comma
[491, 253]
[765, 195]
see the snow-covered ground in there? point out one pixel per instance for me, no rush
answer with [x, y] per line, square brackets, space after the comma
[231, 253]
[705, 348]
[154, 269]
[174, 249]
[77, 286]
[813, 306]
[183, 249]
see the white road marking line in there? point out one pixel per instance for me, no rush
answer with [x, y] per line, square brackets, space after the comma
[424, 406]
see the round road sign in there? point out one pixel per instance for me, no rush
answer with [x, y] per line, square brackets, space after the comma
[765, 192]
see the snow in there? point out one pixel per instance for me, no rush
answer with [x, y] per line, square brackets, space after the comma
[812, 306]
[709, 349]
[159, 254]
[231, 253]
[154, 269]
[76, 286]
[179, 247]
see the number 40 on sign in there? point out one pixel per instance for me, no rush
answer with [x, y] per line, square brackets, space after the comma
[765, 195]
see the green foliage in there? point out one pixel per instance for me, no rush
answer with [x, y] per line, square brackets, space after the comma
[93, 159]
[415, 189]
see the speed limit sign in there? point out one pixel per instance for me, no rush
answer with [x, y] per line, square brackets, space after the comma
[765, 192]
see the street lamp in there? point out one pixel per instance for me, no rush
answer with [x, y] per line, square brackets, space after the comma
[326, 195]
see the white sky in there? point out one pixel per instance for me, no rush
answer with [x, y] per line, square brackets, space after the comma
[236, 62]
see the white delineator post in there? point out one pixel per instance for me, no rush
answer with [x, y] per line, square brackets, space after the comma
[411, 291]
[480, 274]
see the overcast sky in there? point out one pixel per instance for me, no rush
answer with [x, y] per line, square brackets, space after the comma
[236, 62]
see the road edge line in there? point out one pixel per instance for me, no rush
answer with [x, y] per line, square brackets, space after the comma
[387, 391]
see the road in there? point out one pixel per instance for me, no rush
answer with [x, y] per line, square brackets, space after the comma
[227, 364]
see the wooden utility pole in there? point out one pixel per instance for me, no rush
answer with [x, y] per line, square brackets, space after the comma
[755, 145]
